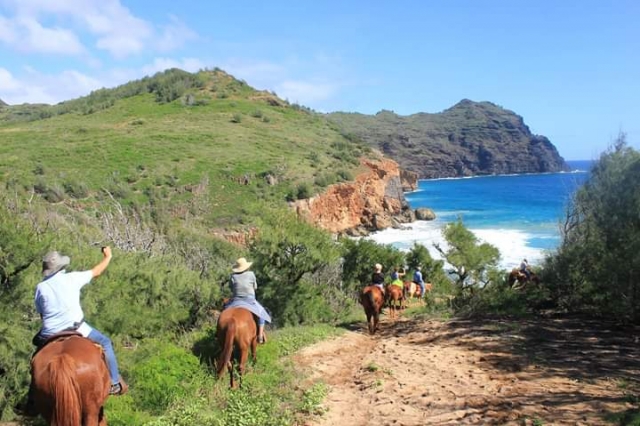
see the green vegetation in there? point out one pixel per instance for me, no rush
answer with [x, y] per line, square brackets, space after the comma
[597, 268]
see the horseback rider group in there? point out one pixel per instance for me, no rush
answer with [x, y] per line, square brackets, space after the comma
[57, 300]
[378, 278]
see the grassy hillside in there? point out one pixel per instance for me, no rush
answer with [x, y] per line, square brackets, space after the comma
[173, 141]
[469, 138]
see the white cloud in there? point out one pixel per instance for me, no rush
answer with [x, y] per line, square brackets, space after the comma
[7, 82]
[174, 35]
[25, 34]
[306, 92]
[113, 27]
[36, 38]
[35, 87]
[161, 64]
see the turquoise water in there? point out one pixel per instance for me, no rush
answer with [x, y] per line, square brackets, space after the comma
[519, 214]
[533, 203]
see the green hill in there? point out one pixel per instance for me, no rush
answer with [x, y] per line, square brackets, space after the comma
[204, 148]
[470, 138]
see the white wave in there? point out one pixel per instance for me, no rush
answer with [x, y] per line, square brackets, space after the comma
[511, 243]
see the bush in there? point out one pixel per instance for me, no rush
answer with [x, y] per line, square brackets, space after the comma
[597, 267]
[303, 191]
[167, 374]
[76, 190]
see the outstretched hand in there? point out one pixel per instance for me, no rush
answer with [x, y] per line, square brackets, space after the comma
[106, 252]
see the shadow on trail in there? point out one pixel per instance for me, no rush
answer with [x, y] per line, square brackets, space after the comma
[579, 348]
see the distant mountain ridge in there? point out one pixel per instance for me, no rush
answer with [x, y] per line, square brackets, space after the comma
[470, 138]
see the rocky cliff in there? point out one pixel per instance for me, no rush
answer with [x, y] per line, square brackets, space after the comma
[373, 201]
[470, 138]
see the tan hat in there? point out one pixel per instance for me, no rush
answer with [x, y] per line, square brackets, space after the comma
[378, 267]
[52, 262]
[241, 265]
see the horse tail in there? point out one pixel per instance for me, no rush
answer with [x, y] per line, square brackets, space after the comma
[65, 389]
[372, 301]
[227, 349]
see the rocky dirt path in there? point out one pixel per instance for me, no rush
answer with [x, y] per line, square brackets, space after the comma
[553, 371]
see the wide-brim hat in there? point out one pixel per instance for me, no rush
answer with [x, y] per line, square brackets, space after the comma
[241, 265]
[52, 262]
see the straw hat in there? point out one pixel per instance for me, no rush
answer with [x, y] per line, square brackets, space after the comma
[378, 267]
[241, 265]
[52, 262]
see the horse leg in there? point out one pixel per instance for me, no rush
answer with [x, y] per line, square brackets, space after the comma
[102, 419]
[91, 418]
[244, 354]
[254, 345]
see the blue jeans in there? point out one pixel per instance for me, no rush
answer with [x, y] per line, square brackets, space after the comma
[422, 289]
[110, 356]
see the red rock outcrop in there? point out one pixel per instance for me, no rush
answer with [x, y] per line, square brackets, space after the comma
[373, 201]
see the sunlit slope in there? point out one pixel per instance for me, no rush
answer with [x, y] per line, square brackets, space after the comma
[241, 147]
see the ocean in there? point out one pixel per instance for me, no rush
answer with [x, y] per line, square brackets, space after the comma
[519, 214]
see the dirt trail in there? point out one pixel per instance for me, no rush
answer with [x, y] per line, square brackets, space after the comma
[549, 371]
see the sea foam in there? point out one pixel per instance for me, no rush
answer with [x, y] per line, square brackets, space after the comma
[511, 243]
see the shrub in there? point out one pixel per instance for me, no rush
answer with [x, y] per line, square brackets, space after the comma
[597, 266]
[165, 375]
[76, 189]
[236, 118]
[303, 191]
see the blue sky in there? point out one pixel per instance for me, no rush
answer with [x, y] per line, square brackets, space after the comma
[571, 68]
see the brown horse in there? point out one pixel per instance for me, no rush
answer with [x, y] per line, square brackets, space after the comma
[413, 290]
[394, 299]
[70, 382]
[521, 278]
[236, 327]
[372, 300]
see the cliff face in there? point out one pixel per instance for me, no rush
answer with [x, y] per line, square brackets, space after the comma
[470, 138]
[374, 201]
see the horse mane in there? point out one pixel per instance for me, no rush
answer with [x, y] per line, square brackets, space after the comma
[66, 390]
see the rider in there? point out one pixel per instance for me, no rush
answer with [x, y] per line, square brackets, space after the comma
[396, 277]
[377, 278]
[243, 285]
[57, 300]
[524, 268]
[417, 278]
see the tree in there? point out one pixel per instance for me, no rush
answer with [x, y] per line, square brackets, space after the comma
[471, 260]
[432, 269]
[597, 266]
[287, 252]
[360, 256]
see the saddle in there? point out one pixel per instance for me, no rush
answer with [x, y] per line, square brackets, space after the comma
[40, 342]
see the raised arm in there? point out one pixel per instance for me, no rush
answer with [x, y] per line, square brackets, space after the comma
[100, 267]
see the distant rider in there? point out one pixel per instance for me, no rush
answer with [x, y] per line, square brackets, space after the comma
[524, 268]
[417, 278]
[377, 278]
[396, 277]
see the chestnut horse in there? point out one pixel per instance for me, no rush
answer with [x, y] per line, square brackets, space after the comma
[70, 382]
[521, 277]
[372, 300]
[236, 327]
[394, 299]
